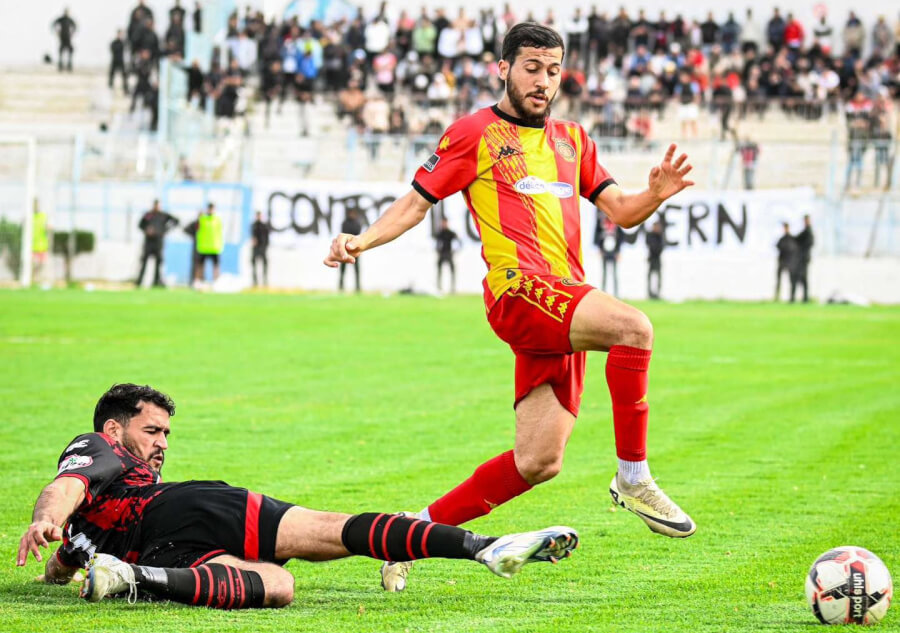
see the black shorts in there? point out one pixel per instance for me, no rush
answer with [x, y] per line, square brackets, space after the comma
[202, 257]
[194, 521]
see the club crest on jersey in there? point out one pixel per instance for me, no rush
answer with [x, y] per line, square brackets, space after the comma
[564, 149]
[445, 143]
[533, 186]
[74, 445]
[431, 163]
[74, 462]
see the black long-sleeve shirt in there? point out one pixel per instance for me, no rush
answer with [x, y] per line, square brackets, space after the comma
[117, 51]
[351, 226]
[655, 246]
[155, 224]
[445, 239]
[260, 230]
[805, 242]
[787, 249]
[65, 28]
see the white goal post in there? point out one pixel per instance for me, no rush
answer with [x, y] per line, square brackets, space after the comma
[29, 143]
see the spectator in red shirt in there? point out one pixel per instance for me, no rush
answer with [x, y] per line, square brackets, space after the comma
[793, 33]
[572, 86]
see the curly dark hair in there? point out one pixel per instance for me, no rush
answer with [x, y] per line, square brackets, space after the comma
[121, 403]
[529, 34]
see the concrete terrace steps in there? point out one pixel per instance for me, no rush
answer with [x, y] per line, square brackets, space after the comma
[41, 100]
[44, 100]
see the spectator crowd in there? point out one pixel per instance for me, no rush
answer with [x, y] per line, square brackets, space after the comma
[394, 72]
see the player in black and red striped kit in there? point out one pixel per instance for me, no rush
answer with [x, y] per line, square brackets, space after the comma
[210, 544]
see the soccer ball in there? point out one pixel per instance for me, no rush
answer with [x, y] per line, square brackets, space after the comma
[849, 585]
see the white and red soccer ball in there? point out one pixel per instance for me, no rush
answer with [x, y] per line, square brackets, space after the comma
[849, 585]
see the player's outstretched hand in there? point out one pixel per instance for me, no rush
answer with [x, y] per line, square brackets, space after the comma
[667, 178]
[39, 534]
[344, 249]
[77, 577]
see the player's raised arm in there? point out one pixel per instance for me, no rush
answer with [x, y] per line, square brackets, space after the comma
[666, 179]
[401, 216]
[56, 503]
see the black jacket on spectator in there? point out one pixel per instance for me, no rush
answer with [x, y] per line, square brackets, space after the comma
[139, 17]
[179, 11]
[355, 37]
[65, 28]
[775, 32]
[619, 31]
[731, 32]
[655, 246]
[117, 52]
[260, 230]
[787, 251]
[598, 33]
[175, 40]
[804, 241]
[154, 225]
[444, 241]
[351, 226]
[709, 32]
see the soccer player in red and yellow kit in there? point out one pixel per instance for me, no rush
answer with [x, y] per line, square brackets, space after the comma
[521, 173]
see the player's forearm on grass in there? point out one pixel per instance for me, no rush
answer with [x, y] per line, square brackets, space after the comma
[58, 501]
[400, 217]
[628, 210]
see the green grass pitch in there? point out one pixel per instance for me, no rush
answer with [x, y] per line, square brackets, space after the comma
[775, 426]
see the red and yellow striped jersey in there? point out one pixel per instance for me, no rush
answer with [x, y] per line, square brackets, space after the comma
[522, 185]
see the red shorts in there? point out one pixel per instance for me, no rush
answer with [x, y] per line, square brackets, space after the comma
[534, 317]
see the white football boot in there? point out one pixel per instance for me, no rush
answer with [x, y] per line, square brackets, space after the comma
[648, 501]
[107, 575]
[393, 574]
[508, 554]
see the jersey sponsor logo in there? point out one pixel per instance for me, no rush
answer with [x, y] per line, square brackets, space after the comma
[74, 445]
[565, 149]
[560, 189]
[533, 186]
[431, 163]
[570, 282]
[74, 462]
[445, 143]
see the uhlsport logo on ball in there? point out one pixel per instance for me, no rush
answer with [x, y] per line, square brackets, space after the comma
[849, 585]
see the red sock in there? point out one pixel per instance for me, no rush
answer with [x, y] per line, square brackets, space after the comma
[494, 482]
[626, 375]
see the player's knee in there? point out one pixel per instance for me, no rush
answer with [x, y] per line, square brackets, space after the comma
[540, 468]
[279, 589]
[638, 330]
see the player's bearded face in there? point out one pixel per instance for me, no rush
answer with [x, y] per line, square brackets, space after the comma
[532, 83]
[145, 435]
[150, 454]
